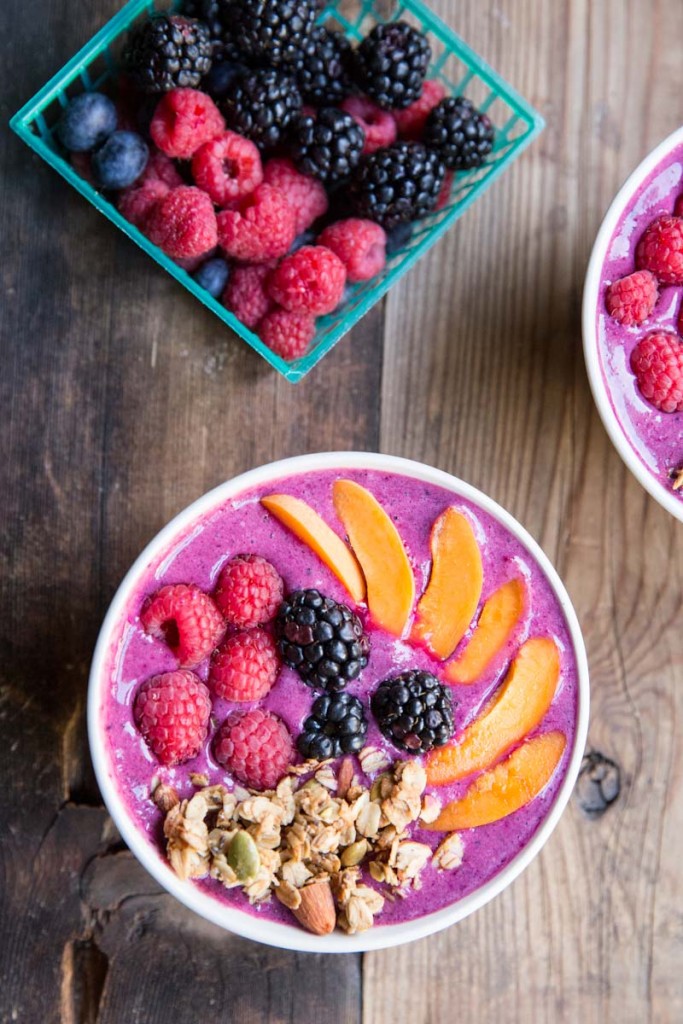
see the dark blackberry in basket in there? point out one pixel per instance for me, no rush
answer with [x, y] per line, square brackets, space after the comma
[167, 52]
[218, 16]
[337, 725]
[322, 640]
[328, 146]
[461, 136]
[414, 711]
[391, 63]
[398, 183]
[273, 31]
[322, 68]
[261, 105]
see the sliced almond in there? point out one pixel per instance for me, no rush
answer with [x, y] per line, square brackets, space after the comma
[316, 912]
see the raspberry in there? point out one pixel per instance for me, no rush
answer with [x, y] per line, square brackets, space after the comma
[245, 666]
[183, 121]
[260, 229]
[630, 300]
[311, 280]
[411, 121]
[379, 126]
[657, 361]
[359, 244]
[137, 204]
[445, 193]
[249, 591]
[228, 168]
[305, 195]
[246, 294]
[660, 250]
[172, 713]
[161, 168]
[186, 619]
[287, 334]
[255, 746]
[183, 223]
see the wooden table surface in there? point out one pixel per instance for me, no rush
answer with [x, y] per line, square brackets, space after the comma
[123, 400]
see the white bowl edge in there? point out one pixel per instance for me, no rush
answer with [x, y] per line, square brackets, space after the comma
[274, 933]
[652, 485]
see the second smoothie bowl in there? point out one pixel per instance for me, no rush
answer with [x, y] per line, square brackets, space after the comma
[338, 703]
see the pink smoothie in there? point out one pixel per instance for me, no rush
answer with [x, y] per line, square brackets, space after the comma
[656, 437]
[242, 525]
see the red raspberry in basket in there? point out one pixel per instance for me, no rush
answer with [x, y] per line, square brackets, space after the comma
[186, 619]
[287, 334]
[172, 713]
[657, 361]
[411, 120]
[262, 227]
[255, 746]
[631, 299]
[245, 666]
[379, 126]
[249, 591]
[227, 168]
[311, 280]
[183, 121]
[246, 295]
[306, 196]
[359, 244]
[660, 250]
[161, 168]
[183, 223]
[445, 193]
[137, 204]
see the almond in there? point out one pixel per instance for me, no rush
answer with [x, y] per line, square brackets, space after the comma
[316, 912]
[345, 777]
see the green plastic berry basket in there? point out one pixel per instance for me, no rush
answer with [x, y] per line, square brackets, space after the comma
[453, 63]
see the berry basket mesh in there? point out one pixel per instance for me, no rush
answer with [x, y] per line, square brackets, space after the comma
[453, 63]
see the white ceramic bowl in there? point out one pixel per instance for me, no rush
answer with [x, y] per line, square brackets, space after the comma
[272, 933]
[591, 296]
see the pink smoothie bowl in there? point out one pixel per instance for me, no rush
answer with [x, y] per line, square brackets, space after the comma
[276, 933]
[648, 441]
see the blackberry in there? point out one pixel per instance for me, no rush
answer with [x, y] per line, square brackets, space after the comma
[398, 183]
[167, 52]
[337, 725]
[391, 63]
[460, 135]
[328, 146]
[323, 641]
[414, 711]
[261, 104]
[321, 70]
[218, 16]
[274, 31]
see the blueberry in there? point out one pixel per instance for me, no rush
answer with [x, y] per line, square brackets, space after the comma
[213, 275]
[306, 238]
[221, 76]
[88, 120]
[120, 161]
[399, 237]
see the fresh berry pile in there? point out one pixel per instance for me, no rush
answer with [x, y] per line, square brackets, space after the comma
[657, 358]
[238, 127]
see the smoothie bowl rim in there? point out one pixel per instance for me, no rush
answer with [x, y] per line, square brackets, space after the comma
[591, 298]
[292, 936]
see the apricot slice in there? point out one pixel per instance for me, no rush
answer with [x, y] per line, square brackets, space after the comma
[516, 709]
[448, 604]
[506, 788]
[379, 549]
[498, 618]
[308, 526]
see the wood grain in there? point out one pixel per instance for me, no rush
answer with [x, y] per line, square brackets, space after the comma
[124, 400]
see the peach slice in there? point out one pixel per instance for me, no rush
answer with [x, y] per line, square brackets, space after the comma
[379, 549]
[498, 618]
[506, 788]
[516, 709]
[448, 604]
[308, 526]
